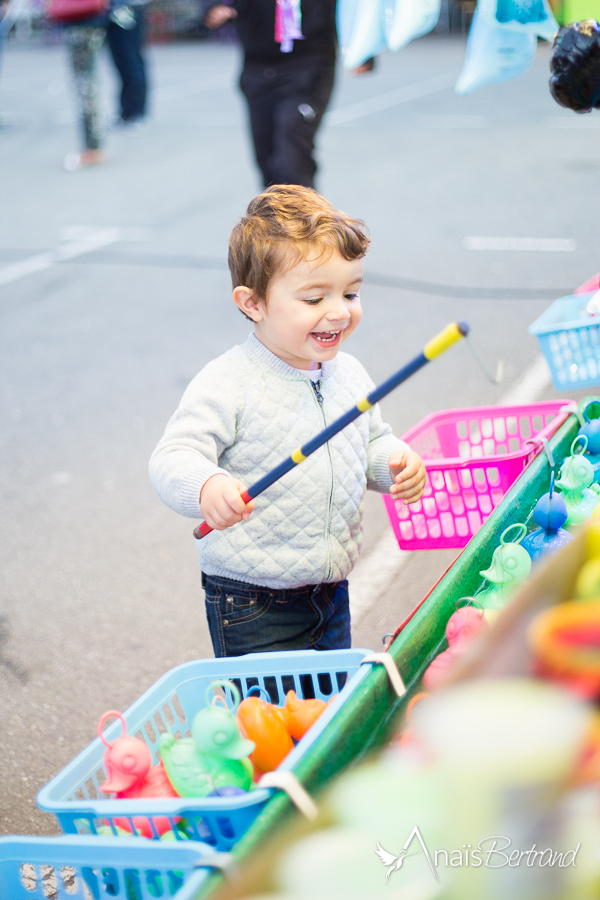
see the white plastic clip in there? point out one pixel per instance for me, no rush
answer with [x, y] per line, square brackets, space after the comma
[573, 408]
[224, 862]
[394, 676]
[287, 781]
[535, 443]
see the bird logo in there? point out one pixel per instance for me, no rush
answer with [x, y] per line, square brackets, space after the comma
[395, 862]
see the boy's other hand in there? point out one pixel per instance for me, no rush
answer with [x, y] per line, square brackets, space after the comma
[408, 472]
[218, 15]
[221, 504]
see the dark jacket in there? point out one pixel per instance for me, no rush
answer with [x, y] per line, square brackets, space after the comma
[255, 25]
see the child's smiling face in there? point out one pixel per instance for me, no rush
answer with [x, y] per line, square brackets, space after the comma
[311, 309]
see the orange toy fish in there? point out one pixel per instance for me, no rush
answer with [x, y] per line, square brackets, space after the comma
[273, 727]
[299, 715]
[263, 723]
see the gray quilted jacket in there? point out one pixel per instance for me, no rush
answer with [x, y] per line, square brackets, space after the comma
[241, 415]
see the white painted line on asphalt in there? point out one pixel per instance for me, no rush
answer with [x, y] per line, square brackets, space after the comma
[373, 573]
[452, 121]
[581, 123]
[83, 240]
[389, 99]
[528, 245]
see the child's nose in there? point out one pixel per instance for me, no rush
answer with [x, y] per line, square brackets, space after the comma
[338, 312]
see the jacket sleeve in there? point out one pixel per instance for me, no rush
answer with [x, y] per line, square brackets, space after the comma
[202, 427]
[382, 443]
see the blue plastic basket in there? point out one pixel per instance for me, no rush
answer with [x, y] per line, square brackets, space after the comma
[80, 868]
[569, 338]
[170, 705]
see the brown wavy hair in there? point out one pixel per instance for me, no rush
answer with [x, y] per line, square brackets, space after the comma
[283, 225]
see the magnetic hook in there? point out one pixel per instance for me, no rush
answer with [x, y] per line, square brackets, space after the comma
[257, 687]
[580, 441]
[592, 403]
[229, 686]
[385, 638]
[470, 601]
[522, 532]
[218, 700]
[111, 714]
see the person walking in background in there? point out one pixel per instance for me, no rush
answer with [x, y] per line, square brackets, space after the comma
[126, 36]
[3, 33]
[84, 39]
[287, 78]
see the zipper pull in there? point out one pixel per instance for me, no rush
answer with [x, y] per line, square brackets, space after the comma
[317, 389]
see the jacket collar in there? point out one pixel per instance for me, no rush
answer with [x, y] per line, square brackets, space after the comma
[260, 354]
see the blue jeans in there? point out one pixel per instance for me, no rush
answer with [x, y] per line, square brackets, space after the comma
[126, 45]
[246, 618]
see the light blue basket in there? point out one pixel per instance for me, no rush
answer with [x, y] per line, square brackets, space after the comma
[80, 868]
[170, 705]
[569, 338]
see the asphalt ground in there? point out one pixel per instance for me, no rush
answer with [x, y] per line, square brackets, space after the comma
[100, 591]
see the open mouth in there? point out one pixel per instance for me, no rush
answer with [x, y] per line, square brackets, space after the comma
[326, 337]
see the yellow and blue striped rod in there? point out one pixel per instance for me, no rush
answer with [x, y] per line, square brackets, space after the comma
[435, 347]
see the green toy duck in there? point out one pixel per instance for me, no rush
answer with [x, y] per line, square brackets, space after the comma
[511, 564]
[576, 485]
[215, 757]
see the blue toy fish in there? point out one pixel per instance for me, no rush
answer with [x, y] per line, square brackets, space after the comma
[550, 514]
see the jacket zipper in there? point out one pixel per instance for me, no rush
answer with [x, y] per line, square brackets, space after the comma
[329, 567]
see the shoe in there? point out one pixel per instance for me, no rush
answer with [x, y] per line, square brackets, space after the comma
[75, 161]
[130, 127]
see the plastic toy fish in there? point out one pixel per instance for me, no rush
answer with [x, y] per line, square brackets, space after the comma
[264, 724]
[300, 715]
[550, 513]
[590, 427]
[130, 774]
[214, 757]
[576, 476]
[511, 564]
[463, 626]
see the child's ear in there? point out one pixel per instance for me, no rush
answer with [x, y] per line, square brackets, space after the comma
[244, 299]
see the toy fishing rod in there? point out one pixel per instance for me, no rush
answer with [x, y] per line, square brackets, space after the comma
[435, 347]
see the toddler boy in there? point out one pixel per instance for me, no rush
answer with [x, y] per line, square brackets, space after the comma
[274, 572]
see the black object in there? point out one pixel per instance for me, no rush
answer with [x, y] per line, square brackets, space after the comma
[126, 46]
[286, 104]
[575, 66]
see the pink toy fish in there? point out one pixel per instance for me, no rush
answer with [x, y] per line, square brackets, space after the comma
[130, 774]
[463, 625]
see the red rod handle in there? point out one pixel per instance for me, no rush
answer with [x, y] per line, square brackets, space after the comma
[204, 529]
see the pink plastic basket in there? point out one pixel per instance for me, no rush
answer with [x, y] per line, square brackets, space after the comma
[472, 457]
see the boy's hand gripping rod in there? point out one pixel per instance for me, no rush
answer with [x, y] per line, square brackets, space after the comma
[436, 346]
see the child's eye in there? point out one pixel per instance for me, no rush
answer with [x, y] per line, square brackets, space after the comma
[313, 300]
[351, 296]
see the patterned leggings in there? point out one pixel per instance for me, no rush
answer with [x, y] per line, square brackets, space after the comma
[85, 42]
